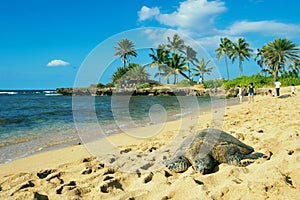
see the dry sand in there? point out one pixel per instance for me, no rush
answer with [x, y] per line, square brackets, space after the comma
[135, 169]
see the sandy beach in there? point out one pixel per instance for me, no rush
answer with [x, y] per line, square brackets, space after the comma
[131, 168]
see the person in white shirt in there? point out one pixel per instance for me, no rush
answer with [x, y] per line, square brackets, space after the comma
[240, 95]
[277, 86]
[293, 90]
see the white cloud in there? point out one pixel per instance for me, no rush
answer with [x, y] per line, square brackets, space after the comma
[148, 13]
[57, 63]
[197, 19]
[266, 27]
[197, 15]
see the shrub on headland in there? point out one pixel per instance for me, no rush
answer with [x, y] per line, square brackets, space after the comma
[260, 81]
[213, 83]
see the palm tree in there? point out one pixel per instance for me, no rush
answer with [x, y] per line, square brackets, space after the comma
[278, 53]
[119, 75]
[242, 51]
[125, 49]
[202, 69]
[159, 57]
[177, 64]
[224, 49]
[190, 57]
[176, 44]
[137, 74]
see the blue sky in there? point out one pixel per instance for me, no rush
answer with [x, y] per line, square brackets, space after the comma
[43, 44]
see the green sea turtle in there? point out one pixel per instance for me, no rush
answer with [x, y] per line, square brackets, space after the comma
[208, 148]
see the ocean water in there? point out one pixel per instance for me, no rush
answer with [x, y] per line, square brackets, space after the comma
[34, 121]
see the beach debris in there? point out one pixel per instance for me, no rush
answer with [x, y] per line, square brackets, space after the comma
[209, 147]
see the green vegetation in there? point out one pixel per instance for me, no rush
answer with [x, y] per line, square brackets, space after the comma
[135, 73]
[279, 59]
[202, 69]
[260, 81]
[279, 56]
[224, 49]
[125, 49]
[143, 85]
[185, 83]
[241, 51]
[213, 83]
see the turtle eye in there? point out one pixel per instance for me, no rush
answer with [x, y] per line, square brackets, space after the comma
[196, 161]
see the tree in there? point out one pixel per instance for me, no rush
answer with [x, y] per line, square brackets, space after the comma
[241, 51]
[159, 57]
[190, 57]
[279, 53]
[137, 74]
[177, 63]
[224, 49]
[119, 75]
[125, 49]
[176, 44]
[202, 69]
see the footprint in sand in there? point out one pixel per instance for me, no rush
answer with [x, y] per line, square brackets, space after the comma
[56, 179]
[70, 186]
[148, 178]
[109, 171]
[24, 186]
[39, 196]
[111, 185]
[43, 174]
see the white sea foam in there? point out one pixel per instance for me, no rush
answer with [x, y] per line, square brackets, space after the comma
[8, 93]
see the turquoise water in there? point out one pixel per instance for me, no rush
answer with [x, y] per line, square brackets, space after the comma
[34, 121]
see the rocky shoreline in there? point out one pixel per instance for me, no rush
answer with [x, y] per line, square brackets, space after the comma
[153, 91]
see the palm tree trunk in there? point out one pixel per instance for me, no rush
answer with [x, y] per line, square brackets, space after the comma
[226, 67]
[275, 74]
[189, 71]
[202, 77]
[184, 75]
[175, 77]
[159, 75]
[241, 67]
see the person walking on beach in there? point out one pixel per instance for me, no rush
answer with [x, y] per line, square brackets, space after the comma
[240, 95]
[293, 90]
[251, 93]
[245, 91]
[277, 86]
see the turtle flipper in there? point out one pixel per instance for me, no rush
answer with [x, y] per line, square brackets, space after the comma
[232, 155]
[250, 158]
[234, 159]
[179, 164]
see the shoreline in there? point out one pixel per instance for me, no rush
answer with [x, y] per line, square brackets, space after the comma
[93, 178]
[76, 138]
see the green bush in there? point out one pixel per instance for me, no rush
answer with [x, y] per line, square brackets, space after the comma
[260, 81]
[109, 85]
[143, 85]
[257, 80]
[185, 83]
[213, 83]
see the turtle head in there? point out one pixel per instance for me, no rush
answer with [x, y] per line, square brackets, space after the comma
[203, 165]
[179, 164]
